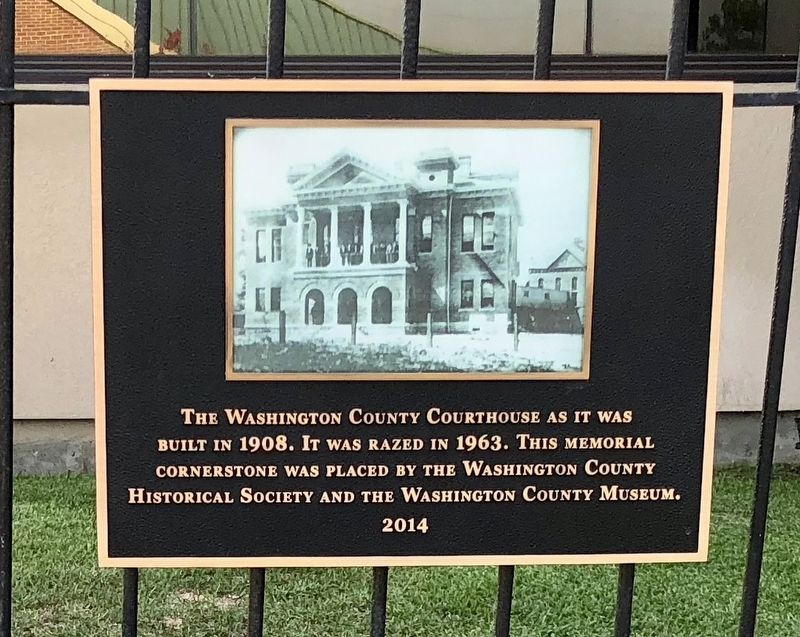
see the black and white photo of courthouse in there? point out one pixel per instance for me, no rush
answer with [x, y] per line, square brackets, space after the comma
[361, 243]
[363, 259]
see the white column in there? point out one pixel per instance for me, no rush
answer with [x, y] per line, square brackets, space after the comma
[300, 257]
[334, 234]
[367, 233]
[403, 232]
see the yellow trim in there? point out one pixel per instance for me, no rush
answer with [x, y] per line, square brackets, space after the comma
[107, 24]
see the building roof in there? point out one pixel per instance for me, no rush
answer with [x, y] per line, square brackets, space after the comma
[570, 259]
[238, 27]
[340, 170]
[345, 175]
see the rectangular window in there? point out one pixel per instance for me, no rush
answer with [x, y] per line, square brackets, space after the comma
[468, 233]
[274, 299]
[276, 245]
[261, 247]
[467, 294]
[487, 294]
[426, 234]
[261, 297]
[487, 233]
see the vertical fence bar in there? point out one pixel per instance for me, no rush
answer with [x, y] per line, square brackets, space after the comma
[505, 593]
[772, 383]
[276, 38]
[678, 39]
[141, 68]
[544, 40]
[676, 59]
[255, 606]
[588, 36]
[410, 55]
[7, 25]
[141, 39]
[193, 23]
[380, 590]
[276, 43]
[130, 602]
[408, 70]
[541, 71]
[622, 623]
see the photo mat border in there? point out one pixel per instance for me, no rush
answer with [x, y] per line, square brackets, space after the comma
[96, 88]
[237, 123]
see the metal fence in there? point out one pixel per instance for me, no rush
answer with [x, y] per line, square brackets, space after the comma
[274, 68]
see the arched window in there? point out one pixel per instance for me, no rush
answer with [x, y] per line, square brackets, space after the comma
[382, 306]
[558, 283]
[315, 308]
[574, 283]
[347, 310]
[540, 283]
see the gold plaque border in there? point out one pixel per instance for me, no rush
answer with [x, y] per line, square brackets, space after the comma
[582, 374]
[99, 85]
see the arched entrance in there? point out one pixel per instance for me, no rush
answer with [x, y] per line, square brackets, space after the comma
[315, 308]
[347, 307]
[382, 306]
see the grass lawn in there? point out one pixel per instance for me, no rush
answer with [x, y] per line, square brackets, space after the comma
[59, 591]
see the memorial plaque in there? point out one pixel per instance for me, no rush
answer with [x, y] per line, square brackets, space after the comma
[406, 323]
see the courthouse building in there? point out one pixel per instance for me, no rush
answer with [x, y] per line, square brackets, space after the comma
[359, 243]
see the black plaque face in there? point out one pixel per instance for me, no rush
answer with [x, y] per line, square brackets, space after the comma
[420, 323]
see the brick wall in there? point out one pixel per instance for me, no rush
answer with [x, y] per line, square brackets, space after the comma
[45, 28]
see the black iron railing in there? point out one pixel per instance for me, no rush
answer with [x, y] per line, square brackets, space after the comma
[542, 64]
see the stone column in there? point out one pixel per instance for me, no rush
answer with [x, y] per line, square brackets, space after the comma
[367, 233]
[334, 234]
[300, 257]
[403, 232]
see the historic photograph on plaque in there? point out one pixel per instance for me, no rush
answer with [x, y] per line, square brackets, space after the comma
[400, 247]
[384, 323]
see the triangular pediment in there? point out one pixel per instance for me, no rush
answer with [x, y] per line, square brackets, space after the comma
[342, 171]
[567, 260]
[349, 174]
